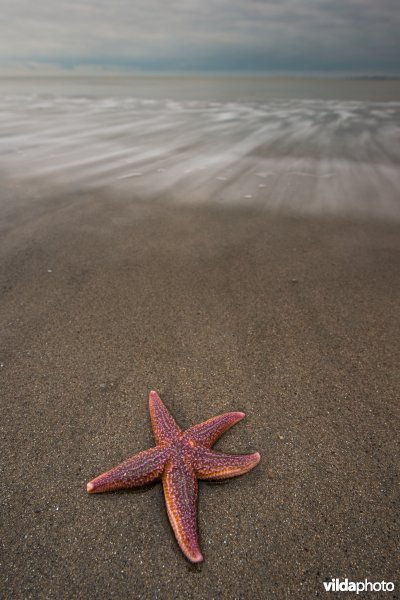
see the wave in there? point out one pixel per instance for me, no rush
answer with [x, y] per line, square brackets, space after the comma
[309, 156]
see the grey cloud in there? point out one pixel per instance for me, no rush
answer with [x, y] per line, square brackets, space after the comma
[308, 34]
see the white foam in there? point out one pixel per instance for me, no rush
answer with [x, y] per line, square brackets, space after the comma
[128, 175]
[346, 154]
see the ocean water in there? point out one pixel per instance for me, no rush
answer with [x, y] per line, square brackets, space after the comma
[293, 145]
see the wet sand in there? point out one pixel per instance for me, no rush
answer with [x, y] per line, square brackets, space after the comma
[291, 320]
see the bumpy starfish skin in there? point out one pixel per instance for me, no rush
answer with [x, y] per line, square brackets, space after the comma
[179, 459]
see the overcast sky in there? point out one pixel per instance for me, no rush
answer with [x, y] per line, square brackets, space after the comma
[296, 36]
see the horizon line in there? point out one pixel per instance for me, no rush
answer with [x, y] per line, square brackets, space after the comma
[88, 72]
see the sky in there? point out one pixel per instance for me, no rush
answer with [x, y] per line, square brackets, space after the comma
[270, 36]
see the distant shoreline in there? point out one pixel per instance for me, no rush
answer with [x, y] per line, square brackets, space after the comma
[195, 74]
[218, 87]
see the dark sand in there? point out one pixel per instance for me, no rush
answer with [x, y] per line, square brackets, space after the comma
[291, 320]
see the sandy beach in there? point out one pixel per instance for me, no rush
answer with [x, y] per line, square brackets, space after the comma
[292, 320]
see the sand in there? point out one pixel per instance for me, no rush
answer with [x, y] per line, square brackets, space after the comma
[292, 320]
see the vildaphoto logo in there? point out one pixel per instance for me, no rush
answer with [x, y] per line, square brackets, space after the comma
[344, 585]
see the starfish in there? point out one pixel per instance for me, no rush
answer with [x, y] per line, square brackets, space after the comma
[180, 458]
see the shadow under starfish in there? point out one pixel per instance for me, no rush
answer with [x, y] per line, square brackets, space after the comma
[180, 458]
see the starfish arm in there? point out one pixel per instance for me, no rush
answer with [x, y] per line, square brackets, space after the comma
[138, 470]
[181, 492]
[164, 426]
[206, 434]
[215, 465]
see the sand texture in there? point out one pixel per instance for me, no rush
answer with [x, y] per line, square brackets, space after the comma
[292, 320]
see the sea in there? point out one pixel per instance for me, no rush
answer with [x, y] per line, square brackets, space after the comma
[312, 146]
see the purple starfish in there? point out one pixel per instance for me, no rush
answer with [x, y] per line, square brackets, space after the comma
[179, 459]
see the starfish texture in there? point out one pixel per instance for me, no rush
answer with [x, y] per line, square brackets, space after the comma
[180, 458]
